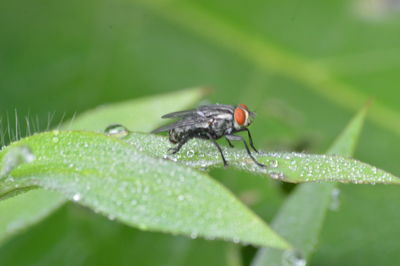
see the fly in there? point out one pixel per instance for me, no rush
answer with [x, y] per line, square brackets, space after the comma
[211, 122]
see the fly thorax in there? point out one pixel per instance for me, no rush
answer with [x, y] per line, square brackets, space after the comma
[175, 135]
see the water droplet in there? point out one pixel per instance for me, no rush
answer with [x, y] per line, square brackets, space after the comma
[374, 170]
[193, 235]
[181, 197]
[76, 197]
[118, 131]
[277, 175]
[293, 258]
[190, 153]
[55, 139]
[15, 157]
[273, 164]
[335, 200]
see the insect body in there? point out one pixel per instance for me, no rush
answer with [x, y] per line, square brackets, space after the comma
[210, 122]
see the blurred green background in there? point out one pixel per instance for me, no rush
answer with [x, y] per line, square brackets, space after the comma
[305, 67]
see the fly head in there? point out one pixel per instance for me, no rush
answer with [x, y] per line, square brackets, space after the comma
[242, 117]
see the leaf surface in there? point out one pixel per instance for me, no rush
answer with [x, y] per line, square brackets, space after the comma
[111, 177]
[288, 167]
[139, 114]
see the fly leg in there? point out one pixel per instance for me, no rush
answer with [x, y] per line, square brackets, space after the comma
[240, 138]
[175, 149]
[219, 148]
[230, 143]
[250, 139]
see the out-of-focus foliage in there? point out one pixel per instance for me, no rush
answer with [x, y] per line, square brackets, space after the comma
[301, 217]
[303, 66]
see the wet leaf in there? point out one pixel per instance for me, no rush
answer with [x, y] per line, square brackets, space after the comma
[288, 167]
[302, 215]
[112, 178]
[35, 205]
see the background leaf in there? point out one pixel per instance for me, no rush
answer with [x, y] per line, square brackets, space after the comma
[99, 241]
[302, 215]
[26, 209]
[110, 177]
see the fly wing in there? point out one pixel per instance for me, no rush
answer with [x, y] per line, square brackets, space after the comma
[196, 117]
[179, 114]
[163, 128]
[201, 110]
[195, 121]
[222, 107]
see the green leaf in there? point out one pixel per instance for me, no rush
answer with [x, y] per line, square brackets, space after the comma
[302, 215]
[15, 216]
[112, 178]
[345, 144]
[289, 167]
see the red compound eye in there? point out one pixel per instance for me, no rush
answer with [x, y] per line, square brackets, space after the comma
[244, 106]
[240, 116]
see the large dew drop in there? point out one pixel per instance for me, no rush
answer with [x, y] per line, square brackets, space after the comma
[116, 130]
[55, 138]
[15, 157]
